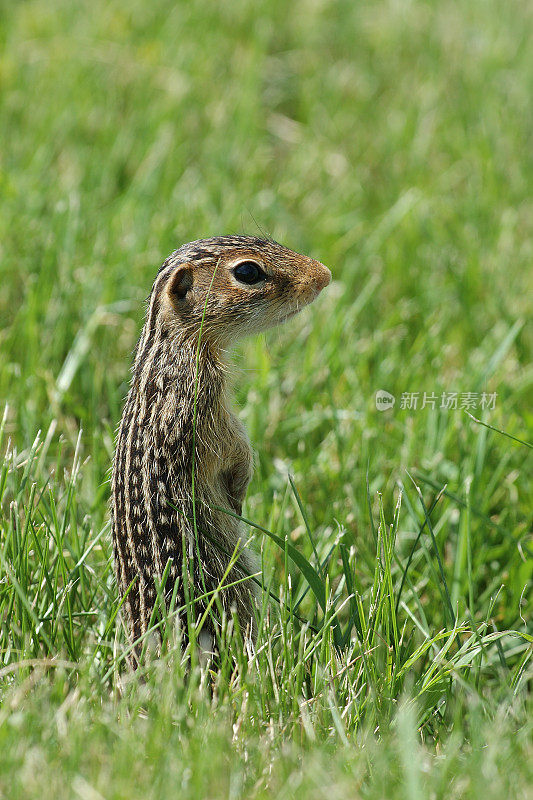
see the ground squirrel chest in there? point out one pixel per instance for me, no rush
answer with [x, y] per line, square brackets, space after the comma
[181, 454]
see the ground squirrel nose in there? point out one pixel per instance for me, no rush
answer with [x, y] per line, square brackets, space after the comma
[323, 276]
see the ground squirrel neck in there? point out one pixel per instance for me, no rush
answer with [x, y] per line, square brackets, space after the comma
[177, 420]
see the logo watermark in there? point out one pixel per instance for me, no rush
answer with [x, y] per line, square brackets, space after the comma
[449, 401]
[384, 400]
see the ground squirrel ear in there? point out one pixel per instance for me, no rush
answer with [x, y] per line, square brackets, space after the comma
[180, 282]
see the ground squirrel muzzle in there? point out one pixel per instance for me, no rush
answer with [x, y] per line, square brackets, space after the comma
[177, 420]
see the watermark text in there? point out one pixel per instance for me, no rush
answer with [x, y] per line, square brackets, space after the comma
[449, 401]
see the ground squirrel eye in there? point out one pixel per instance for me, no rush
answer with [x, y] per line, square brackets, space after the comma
[249, 272]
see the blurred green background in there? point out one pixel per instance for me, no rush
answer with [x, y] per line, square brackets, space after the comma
[392, 141]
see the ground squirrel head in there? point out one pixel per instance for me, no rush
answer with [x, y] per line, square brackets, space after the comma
[237, 284]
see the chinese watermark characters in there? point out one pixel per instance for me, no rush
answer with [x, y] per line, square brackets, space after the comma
[449, 401]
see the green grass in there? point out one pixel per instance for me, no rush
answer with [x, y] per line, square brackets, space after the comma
[392, 141]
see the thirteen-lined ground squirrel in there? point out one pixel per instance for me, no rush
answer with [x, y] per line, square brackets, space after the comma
[207, 294]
